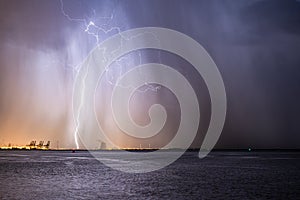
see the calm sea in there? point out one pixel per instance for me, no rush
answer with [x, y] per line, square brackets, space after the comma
[221, 175]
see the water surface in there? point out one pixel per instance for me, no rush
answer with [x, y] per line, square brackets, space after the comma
[221, 175]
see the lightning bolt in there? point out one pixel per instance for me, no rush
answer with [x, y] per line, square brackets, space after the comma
[79, 111]
[92, 29]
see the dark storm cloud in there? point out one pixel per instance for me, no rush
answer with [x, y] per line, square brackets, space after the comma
[32, 23]
[256, 46]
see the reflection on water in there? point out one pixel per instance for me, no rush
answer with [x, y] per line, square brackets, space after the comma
[221, 175]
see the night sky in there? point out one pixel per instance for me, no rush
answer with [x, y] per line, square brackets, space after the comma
[255, 44]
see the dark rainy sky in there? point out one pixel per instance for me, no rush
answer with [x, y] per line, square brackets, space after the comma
[255, 44]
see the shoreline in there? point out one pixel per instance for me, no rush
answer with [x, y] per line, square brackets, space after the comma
[151, 150]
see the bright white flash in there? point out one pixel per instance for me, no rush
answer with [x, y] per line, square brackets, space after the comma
[92, 29]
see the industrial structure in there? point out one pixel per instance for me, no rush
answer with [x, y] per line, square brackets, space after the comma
[41, 145]
[32, 145]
